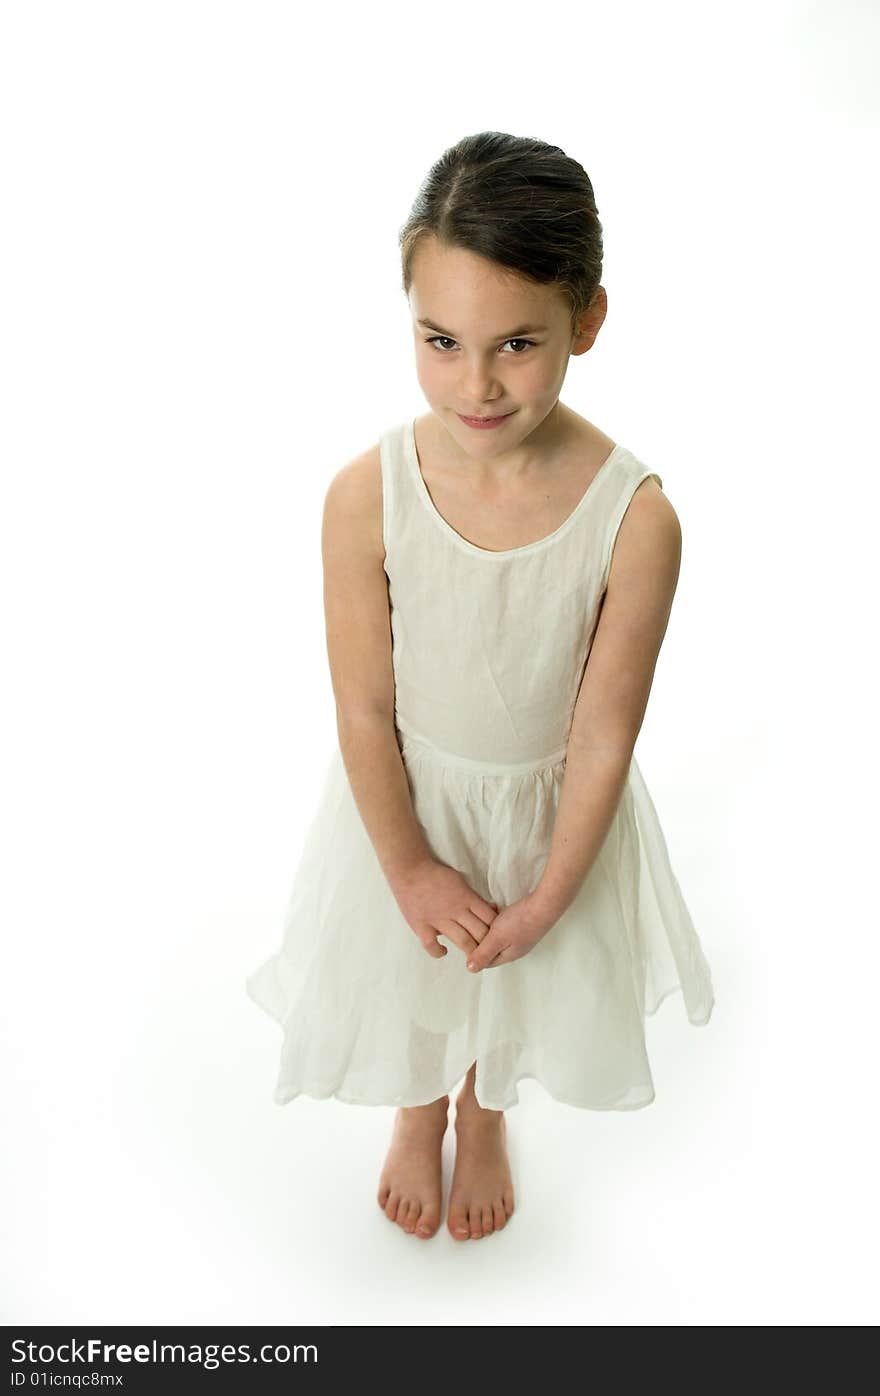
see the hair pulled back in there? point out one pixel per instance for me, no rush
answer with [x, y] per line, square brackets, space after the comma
[523, 204]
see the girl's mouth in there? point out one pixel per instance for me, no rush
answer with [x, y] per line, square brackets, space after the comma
[484, 423]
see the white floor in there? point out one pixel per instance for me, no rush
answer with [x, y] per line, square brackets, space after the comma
[153, 1180]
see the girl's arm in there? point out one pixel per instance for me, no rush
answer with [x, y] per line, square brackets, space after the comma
[358, 626]
[614, 693]
[435, 899]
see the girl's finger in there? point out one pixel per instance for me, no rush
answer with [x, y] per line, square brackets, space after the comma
[471, 922]
[480, 904]
[458, 935]
[497, 959]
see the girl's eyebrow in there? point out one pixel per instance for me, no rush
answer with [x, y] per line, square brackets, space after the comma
[512, 334]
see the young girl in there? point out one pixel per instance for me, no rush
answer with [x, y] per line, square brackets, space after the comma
[485, 892]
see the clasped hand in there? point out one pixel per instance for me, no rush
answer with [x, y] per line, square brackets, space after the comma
[512, 934]
[437, 900]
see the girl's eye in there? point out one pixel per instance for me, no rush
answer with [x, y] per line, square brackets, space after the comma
[436, 337]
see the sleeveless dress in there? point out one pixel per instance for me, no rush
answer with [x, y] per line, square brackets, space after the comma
[489, 649]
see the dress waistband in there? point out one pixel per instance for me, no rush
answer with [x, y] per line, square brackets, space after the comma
[413, 741]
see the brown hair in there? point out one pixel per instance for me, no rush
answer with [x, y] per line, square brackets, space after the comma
[517, 201]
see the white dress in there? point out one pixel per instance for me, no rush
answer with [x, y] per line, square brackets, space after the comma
[489, 649]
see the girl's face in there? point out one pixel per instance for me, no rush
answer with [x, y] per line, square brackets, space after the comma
[489, 343]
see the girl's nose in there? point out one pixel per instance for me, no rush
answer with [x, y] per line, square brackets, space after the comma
[480, 389]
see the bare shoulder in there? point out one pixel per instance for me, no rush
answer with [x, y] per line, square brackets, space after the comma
[647, 550]
[356, 595]
[353, 505]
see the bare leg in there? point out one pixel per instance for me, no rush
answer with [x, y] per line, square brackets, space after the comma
[410, 1188]
[481, 1196]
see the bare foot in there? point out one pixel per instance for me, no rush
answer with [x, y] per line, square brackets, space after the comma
[481, 1195]
[410, 1188]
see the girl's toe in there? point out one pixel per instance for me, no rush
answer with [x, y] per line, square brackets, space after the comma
[428, 1221]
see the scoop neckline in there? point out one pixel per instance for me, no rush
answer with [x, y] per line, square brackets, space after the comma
[465, 543]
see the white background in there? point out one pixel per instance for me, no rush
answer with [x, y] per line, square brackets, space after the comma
[201, 322]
